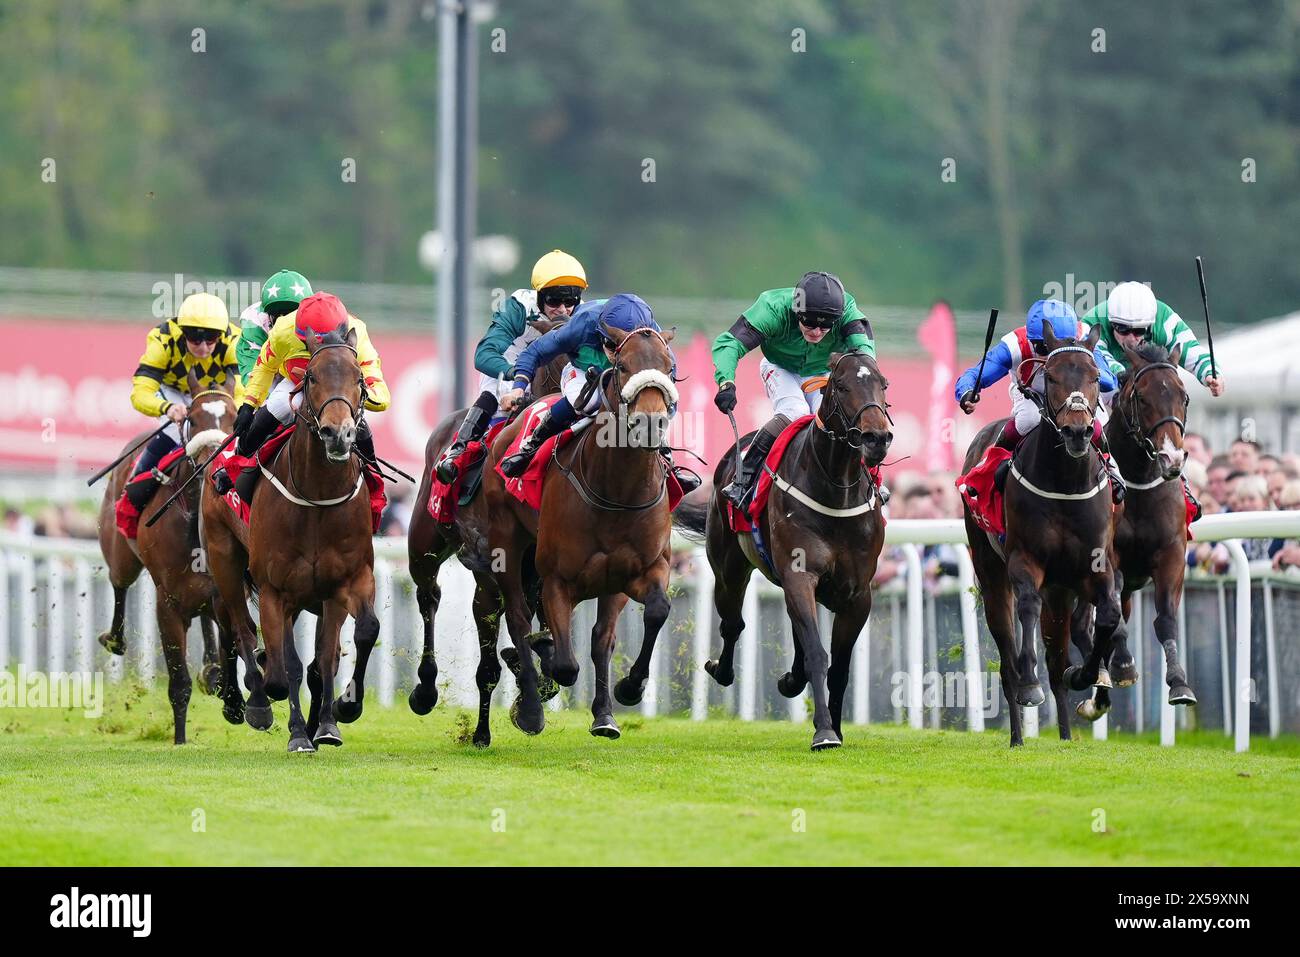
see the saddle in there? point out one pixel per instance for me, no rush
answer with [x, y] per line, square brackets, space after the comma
[444, 499]
[126, 518]
[982, 490]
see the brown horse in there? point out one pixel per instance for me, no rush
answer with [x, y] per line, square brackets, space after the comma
[307, 547]
[824, 531]
[170, 550]
[1145, 434]
[1059, 544]
[429, 543]
[603, 531]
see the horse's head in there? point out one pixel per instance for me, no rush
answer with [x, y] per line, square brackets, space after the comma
[853, 405]
[1072, 390]
[333, 390]
[643, 381]
[211, 415]
[1152, 404]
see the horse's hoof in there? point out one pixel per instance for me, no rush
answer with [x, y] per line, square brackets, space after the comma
[825, 740]
[422, 700]
[787, 686]
[113, 644]
[347, 711]
[510, 655]
[328, 734]
[259, 718]
[1103, 679]
[210, 679]
[1030, 696]
[482, 737]
[627, 692]
[301, 744]
[1125, 674]
[718, 674]
[606, 727]
[1089, 710]
[233, 713]
[527, 721]
[1181, 694]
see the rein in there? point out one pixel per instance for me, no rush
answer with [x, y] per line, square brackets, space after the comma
[1075, 402]
[1128, 409]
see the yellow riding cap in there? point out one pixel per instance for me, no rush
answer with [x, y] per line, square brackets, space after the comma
[558, 268]
[203, 310]
[167, 361]
[285, 354]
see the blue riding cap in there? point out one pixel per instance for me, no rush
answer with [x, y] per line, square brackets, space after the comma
[1065, 324]
[628, 311]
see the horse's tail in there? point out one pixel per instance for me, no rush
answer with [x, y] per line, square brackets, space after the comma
[691, 517]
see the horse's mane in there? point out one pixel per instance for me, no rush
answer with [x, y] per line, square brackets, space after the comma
[1149, 352]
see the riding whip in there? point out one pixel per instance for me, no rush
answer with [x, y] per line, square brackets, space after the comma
[197, 472]
[127, 454]
[1205, 304]
[988, 342]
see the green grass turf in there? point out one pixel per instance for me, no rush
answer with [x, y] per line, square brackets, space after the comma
[409, 790]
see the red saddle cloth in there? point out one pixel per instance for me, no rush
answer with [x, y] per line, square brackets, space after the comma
[444, 499]
[981, 495]
[745, 522]
[125, 516]
[235, 464]
[528, 487]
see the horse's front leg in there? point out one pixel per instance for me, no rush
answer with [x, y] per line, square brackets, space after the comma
[652, 591]
[801, 605]
[1169, 592]
[845, 629]
[1056, 640]
[299, 740]
[428, 595]
[1026, 579]
[526, 712]
[333, 614]
[1090, 709]
[608, 608]
[210, 674]
[487, 619]
[1099, 589]
[361, 606]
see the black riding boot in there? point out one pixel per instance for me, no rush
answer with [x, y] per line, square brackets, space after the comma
[738, 491]
[471, 430]
[260, 429]
[686, 478]
[551, 424]
[140, 492]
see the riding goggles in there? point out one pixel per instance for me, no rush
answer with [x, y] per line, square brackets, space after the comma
[1124, 329]
[817, 322]
[201, 335]
[560, 296]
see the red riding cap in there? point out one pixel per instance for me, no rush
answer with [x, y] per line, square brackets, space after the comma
[321, 316]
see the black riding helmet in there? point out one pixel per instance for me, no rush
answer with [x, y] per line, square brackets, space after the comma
[819, 299]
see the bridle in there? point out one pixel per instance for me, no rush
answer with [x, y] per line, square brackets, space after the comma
[313, 423]
[852, 436]
[1128, 410]
[1076, 401]
[187, 431]
[585, 492]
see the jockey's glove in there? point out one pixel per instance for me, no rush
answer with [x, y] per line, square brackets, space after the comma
[725, 400]
[243, 419]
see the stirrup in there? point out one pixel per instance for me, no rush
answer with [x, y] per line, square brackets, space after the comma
[446, 469]
[688, 480]
[517, 464]
[221, 481]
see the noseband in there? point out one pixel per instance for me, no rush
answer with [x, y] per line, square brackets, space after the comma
[852, 435]
[1075, 402]
[1128, 410]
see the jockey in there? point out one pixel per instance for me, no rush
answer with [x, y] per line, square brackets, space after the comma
[1008, 356]
[587, 346]
[1132, 315]
[558, 282]
[201, 339]
[280, 296]
[797, 328]
[322, 317]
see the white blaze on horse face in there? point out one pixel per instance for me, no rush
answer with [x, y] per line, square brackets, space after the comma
[864, 372]
[213, 408]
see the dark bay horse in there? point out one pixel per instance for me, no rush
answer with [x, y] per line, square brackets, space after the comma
[307, 547]
[1145, 434]
[824, 531]
[430, 543]
[1059, 544]
[603, 530]
[170, 550]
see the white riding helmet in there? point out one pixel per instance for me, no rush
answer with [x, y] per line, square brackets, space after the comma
[1133, 304]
